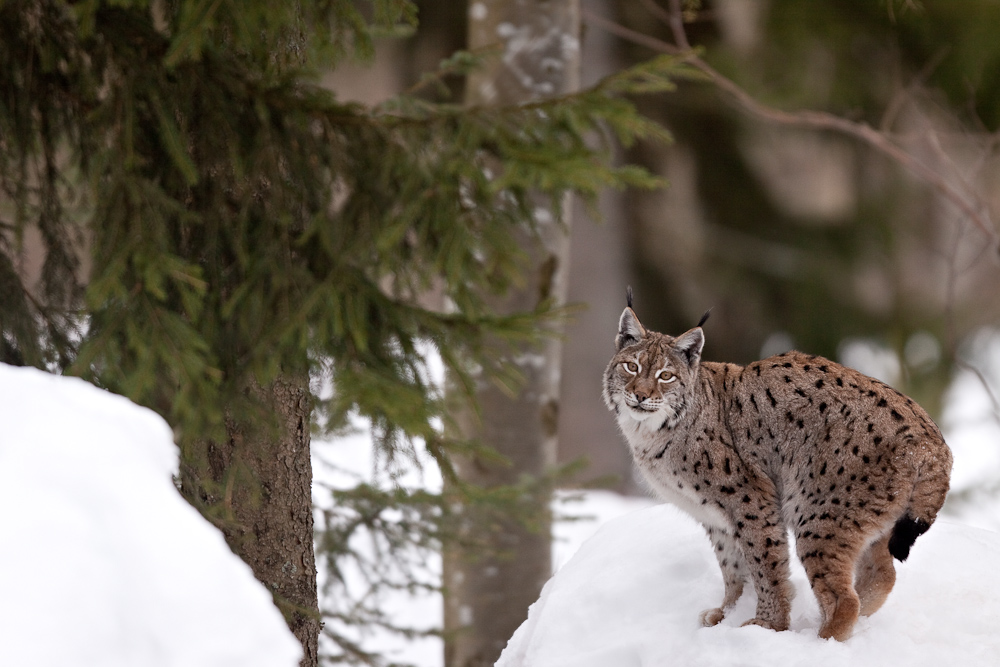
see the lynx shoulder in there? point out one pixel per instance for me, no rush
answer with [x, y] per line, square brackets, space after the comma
[854, 469]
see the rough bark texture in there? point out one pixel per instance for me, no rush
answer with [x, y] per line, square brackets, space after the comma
[488, 592]
[266, 476]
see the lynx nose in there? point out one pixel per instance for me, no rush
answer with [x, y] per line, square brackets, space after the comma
[640, 395]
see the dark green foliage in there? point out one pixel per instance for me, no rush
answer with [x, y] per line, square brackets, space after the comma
[239, 222]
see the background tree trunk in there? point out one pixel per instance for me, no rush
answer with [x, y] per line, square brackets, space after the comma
[266, 481]
[488, 593]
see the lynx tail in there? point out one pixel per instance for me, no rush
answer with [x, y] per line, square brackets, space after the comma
[904, 534]
[928, 496]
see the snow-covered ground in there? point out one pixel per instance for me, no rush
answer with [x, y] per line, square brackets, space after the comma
[102, 563]
[631, 596]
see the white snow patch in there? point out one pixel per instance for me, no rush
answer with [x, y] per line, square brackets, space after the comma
[633, 592]
[579, 514]
[103, 563]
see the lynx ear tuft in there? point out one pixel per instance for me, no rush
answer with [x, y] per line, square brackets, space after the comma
[689, 345]
[628, 296]
[630, 331]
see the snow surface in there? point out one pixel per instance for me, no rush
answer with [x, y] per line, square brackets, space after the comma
[632, 594]
[102, 563]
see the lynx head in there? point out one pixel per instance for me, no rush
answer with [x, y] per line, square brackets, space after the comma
[651, 375]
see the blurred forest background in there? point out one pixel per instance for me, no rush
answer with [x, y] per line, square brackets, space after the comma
[834, 177]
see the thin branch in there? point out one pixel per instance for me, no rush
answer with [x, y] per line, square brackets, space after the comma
[677, 25]
[812, 119]
[896, 103]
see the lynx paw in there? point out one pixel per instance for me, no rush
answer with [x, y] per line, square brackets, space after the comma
[766, 624]
[711, 617]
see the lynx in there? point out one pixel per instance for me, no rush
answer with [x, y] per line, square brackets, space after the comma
[854, 469]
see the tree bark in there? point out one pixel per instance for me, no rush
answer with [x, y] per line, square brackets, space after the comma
[488, 592]
[262, 477]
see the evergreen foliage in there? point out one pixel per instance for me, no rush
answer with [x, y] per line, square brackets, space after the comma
[211, 217]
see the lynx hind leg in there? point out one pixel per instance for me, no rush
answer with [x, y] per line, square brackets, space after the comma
[733, 572]
[829, 565]
[874, 575]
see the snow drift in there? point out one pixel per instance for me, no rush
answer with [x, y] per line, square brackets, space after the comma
[102, 562]
[631, 596]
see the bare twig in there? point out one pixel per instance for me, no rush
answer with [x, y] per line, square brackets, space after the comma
[897, 101]
[677, 25]
[977, 212]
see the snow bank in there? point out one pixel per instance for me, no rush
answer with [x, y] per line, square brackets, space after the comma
[632, 594]
[102, 562]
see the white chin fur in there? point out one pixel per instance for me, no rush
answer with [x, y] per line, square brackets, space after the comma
[639, 414]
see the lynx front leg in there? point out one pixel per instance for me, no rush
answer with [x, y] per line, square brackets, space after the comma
[761, 536]
[733, 571]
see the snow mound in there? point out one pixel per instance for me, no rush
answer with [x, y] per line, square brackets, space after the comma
[631, 596]
[103, 563]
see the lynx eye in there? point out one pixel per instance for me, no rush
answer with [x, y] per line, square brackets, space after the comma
[631, 367]
[666, 377]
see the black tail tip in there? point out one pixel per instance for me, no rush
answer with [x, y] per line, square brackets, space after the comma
[904, 534]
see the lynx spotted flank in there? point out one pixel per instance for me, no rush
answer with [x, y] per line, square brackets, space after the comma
[853, 469]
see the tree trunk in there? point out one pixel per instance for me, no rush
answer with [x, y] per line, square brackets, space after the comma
[488, 593]
[264, 478]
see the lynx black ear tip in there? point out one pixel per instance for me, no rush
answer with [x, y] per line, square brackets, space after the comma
[704, 318]
[628, 296]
